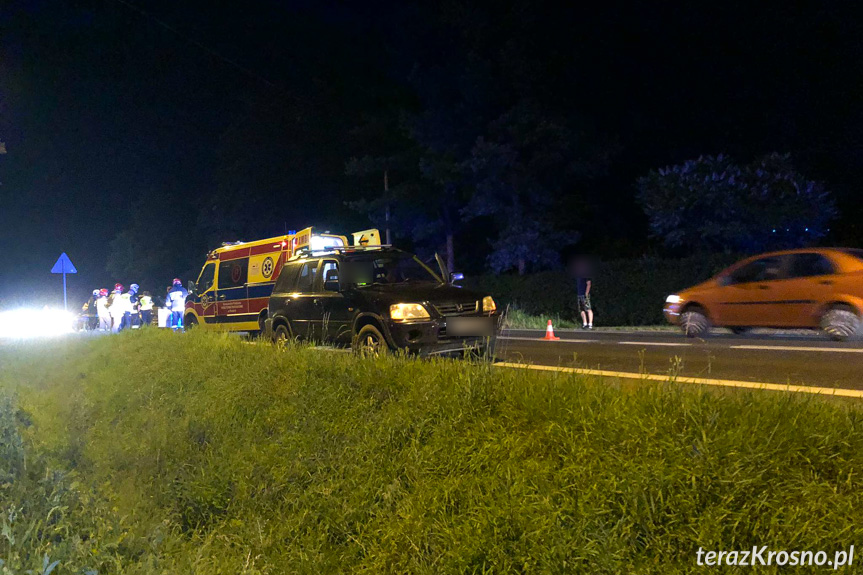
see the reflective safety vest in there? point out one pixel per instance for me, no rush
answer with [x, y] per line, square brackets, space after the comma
[102, 305]
[146, 303]
[121, 304]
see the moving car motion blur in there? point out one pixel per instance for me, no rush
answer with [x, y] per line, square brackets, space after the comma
[807, 288]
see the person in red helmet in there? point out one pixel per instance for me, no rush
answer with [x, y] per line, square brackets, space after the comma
[118, 288]
[119, 305]
[176, 302]
[102, 310]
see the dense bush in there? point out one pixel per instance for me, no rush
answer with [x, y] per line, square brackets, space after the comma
[624, 292]
[226, 458]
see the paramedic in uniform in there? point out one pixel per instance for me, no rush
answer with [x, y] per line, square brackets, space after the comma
[120, 304]
[145, 304]
[132, 294]
[89, 308]
[176, 302]
[102, 311]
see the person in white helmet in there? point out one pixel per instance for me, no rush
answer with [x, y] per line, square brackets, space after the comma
[89, 313]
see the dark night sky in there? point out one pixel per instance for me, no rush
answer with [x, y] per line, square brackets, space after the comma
[101, 106]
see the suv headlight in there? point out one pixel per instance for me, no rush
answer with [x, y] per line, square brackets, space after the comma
[672, 299]
[408, 311]
[488, 305]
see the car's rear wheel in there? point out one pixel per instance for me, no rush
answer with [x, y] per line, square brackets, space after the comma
[840, 322]
[370, 342]
[694, 322]
[190, 322]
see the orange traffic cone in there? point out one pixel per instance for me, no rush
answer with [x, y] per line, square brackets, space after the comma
[549, 333]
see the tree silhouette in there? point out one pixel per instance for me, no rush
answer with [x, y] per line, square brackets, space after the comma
[712, 203]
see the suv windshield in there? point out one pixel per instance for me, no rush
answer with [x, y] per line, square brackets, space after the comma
[389, 268]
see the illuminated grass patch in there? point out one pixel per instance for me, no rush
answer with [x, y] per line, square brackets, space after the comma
[200, 453]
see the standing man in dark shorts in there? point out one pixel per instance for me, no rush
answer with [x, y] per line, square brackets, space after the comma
[584, 283]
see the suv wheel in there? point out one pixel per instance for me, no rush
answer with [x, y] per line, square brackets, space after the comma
[370, 342]
[189, 322]
[281, 334]
[840, 323]
[694, 322]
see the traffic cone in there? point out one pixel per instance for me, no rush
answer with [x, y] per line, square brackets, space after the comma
[549, 333]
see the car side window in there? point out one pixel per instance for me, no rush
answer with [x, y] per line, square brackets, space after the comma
[205, 281]
[233, 273]
[288, 278]
[760, 270]
[330, 275]
[306, 281]
[808, 265]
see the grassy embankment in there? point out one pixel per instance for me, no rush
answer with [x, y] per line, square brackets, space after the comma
[164, 453]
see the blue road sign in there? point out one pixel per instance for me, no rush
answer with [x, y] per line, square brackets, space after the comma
[64, 266]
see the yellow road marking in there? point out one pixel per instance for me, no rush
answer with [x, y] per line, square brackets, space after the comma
[695, 380]
[659, 343]
[562, 340]
[794, 348]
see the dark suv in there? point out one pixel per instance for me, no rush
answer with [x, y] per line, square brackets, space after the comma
[377, 300]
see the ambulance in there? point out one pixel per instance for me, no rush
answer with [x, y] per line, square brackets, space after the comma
[234, 286]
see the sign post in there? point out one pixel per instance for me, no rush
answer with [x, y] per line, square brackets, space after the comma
[64, 266]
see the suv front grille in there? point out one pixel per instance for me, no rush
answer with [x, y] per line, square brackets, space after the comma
[457, 308]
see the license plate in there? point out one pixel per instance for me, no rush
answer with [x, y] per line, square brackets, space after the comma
[469, 326]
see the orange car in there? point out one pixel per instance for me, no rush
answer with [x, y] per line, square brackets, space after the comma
[807, 288]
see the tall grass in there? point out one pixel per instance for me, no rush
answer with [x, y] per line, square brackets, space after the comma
[518, 319]
[212, 456]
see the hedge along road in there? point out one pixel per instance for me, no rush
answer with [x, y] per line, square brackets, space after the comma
[806, 360]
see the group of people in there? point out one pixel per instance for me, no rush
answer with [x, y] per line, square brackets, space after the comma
[114, 311]
[119, 309]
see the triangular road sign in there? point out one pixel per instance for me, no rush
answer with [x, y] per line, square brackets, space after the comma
[64, 265]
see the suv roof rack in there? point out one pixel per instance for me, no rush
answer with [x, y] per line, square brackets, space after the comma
[306, 252]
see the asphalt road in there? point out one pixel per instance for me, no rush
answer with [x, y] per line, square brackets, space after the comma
[802, 358]
[799, 359]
